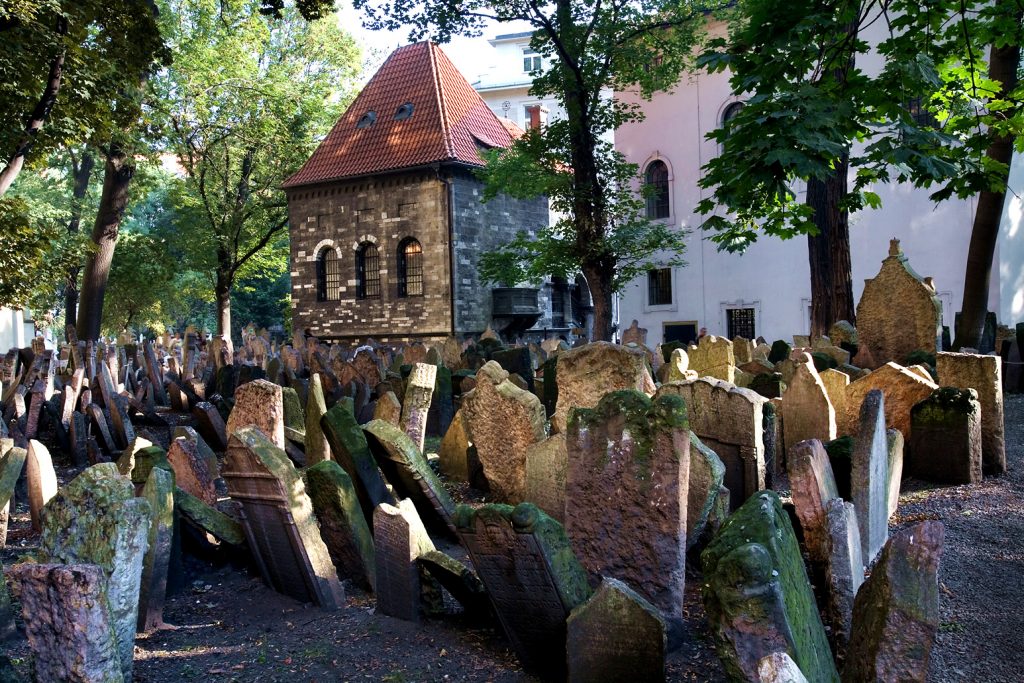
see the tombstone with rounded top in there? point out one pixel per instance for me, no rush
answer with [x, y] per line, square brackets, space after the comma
[588, 372]
[259, 403]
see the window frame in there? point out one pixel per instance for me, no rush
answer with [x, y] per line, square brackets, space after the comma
[658, 204]
[328, 275]
[367, 271]
[659, 281]
[410, 271]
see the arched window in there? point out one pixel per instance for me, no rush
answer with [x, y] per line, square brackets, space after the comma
[410, 268]
[328, 275]
[367, 271]
[730, 112]
[656, 178]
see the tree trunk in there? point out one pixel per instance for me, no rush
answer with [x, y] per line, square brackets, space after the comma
[829, 252]
[600, 282]
[116, 178]
[36, 120]
[222, 289]
[82, 175]
[1002, 67]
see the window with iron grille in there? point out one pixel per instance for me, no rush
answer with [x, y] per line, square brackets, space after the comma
[558, 289]
[656, 179]
[328, 275]
[659, 287]
[367, 271]
[740, 323]
[410, 268]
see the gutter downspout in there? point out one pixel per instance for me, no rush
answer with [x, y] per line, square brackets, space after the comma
[450, 192]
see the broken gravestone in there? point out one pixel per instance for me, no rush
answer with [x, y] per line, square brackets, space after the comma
[419, 392]
[259, 403]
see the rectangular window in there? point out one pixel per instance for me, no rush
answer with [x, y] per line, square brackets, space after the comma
[533, 117]
[332, 279]
[740, 323]
[558, 290]
[531, 61]
[681, 332]
[659, 287]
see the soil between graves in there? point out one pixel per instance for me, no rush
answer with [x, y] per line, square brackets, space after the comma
[231, 627]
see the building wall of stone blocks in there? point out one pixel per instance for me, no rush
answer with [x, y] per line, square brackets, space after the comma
[480, 227]
[383, 210]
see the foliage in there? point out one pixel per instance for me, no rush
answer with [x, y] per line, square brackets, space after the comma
[263, 301]
[141, 285]
[926, 117]
[34, 251]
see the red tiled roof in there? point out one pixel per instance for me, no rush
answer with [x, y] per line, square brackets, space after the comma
[450, 122]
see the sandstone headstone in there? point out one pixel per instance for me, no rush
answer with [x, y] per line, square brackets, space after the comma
[806, 411]
[343, 527]
[757, 595]
[984, 375]
[278, 519]
[836, 382]
[350, 450]
[896, 613]
[454, 450]
[546, 463]
[191, 471]
[419, 392]
[587, 373]
[317, 448]
[624, 453]
[844, 566]
[259, 404]
[41, 479]
[779, 667]
[634, 334]
[813, 487]
[869, 482]
[388, 408]
[205, 452]
[902, 390]
[679, 367]
[524, 559]
[707, 473]
[399, 538]
[159, 492]
[616, 636]
[894, 440]
[11, 464]
[713, 357]
[946, 437]
[210, 424]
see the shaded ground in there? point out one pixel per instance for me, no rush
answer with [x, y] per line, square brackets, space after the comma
[230, 627]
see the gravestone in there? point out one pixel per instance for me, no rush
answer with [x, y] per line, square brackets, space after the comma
[616, 636]
[388, 408]
[546, 463]
[813, 487]
[419, 392]
[504, 422]
[205, 452]
[343, 527]
[634, 334]
[757, 595]
[713, 357]
[124, 432]
[624, 453]
[209, 520]
[67, 622]
[707, 474]
[294, 415]
[806, 411]
[278, 519]
[41, 479]
[869, 483]
[454, 450]
[730, 421]
[11, 465]
[894, 441]
[524, 559]
[898, 313]
[350, 450]
[896, 613]
[779, 667]
[101, 431]
[946, 437]
[259, 403]
[743, 350]
[317, 448]
[159, 492]
[408, 472]
[463, 583]
[587, 373]
[679, 367]
[984, 375]
[835, 383]
[210, 424]
[844, 567]
[399, 538]
[191, 471]
[901, 388]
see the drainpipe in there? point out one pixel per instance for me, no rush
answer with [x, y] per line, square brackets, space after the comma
[450, 190]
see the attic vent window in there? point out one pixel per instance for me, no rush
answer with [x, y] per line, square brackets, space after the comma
[403, 112]
[366, 120]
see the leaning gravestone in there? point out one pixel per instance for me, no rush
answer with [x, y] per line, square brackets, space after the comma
[210, 424]
[399, 539]
[159, 491]
[902, 390]
[349, 448]
[758, 597]
[191, 470]
[707, 474]
[11, 465]
[614, 637]
[96, 519]
[41, 479]
[587, 373]
[454, 450]
[260, 404]
[342, 526]
[277, 516]
[546, 464]
[623, 454]
[896, 613]
[813, 487]
[946, 437]
[869, 482]
[844, 567]
[984, 375]
[419, 392]
[532, 576]
[68, 623]
[317, 448]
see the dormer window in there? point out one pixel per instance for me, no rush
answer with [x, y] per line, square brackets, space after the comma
[403, 112]
[366, 120]
[531, 60]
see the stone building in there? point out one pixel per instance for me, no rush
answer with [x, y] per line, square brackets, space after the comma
[387, 223]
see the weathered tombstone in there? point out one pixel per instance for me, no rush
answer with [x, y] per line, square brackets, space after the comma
[504, 422]
[813, 487]
[407, 470]
[894, 440]
[869, 483]
[898, 313]
[730, 421]
[713, 357]
[743, 350]
[622, 453]
[546, 463]
[294, 415]
[124, 432]
[259, 403]
[835, 383]
[463, 583]
[780, 351]
[533, 579]
[388, 408]
[415, 408]
[984, 375]
[343, 527]
[807, 412]
[634, 334]
[191, 470]
[41, 479]
[209, 520]
[757, 595]
[317, 447]
[844, 566]
[399, 539]
[896, 613]
[96, 519]
[210, 424]
[350, 450]
[278, 519]
[454, 451]
[779, 667]
[154, 372]
[11, 465]
[587, 373]
[707, 474]
[159, 492]
[902, 390]
[68, 623]
[78, 434]
[679, 367]
[615, 637]
[946, 437]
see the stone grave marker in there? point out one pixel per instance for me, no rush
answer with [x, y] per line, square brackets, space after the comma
[869, 483]
[209, 520]
[779, 667]
[984, 375]
[11, 464]
[844, 566]
[894, 441]
[343, 527]
[388, 408]
[278, 519]
[399, 538]
[713, 357]
[349, 448]
[317, 447]
[587, 373]
[454, 450]
[191, 470]
[946, 437]
[813, 487]
[159, 492]
[546, 464]
[419, 392]
[807, 412]
[902, 390]
[41, 479]
[707, 474]
[259, 403]
[210, 424]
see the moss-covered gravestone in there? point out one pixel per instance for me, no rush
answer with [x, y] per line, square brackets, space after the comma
[399, 539]
[406, 469]
[707, 474]
[349, 448]
[946, 438]
[463, 583]
[615, 637]
[159, 492]
[278, 519]
[11, 465]
[342, 526]
[317, 448]
[209, 519]
[96, 519]
[757, 595]
[780, 351]
[626, 493]
[294, 415]
[532, 576]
